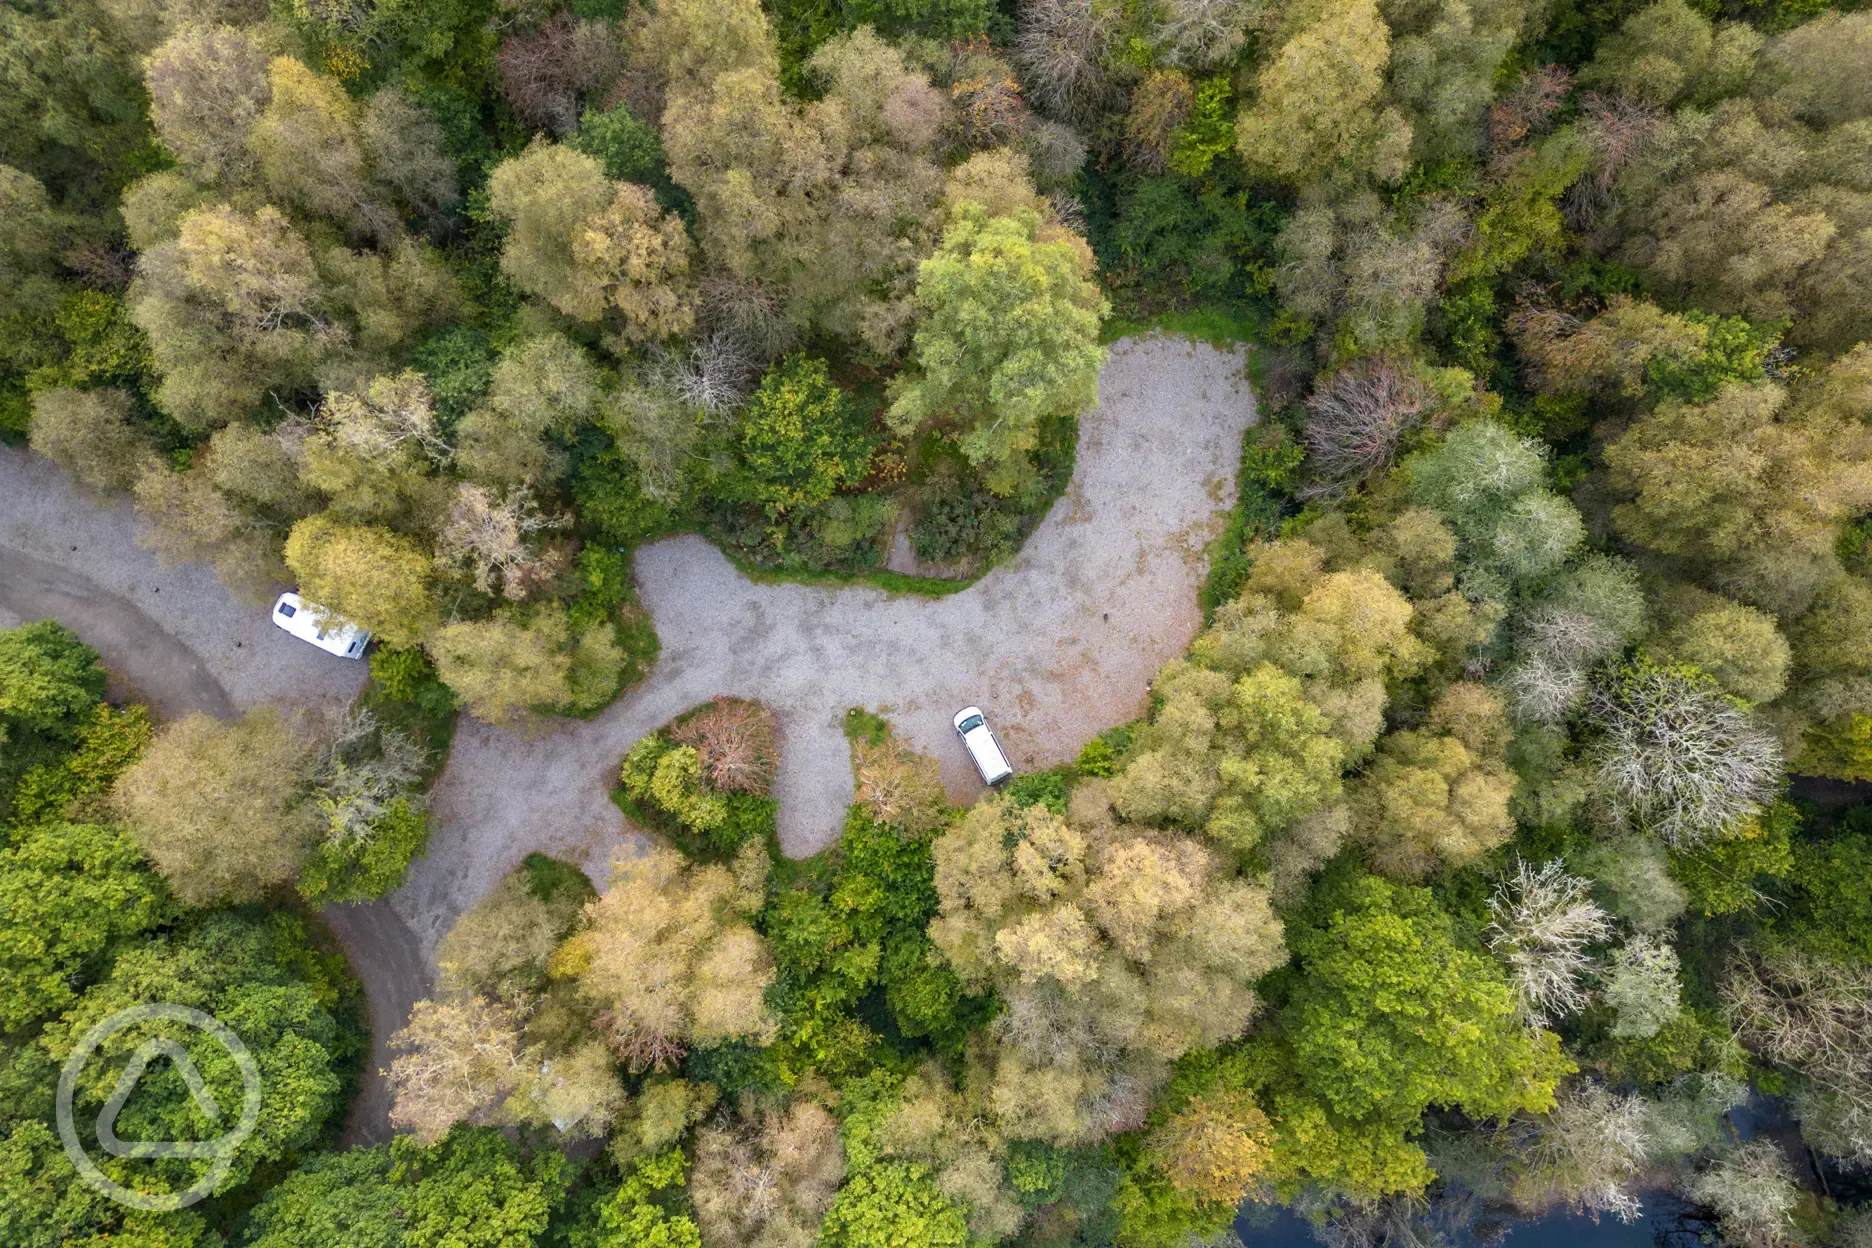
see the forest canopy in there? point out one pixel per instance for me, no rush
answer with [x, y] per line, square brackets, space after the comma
[1500, 832]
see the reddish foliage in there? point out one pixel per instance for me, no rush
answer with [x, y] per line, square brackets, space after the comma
[1356, 417]
[736, 742]
[1617, 127]
[1528, 107]
[544, 74]
[638, 1049]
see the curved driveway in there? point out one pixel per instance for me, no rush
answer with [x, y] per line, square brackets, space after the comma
[1056, 645]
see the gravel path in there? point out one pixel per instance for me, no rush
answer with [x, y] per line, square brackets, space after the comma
[176, 641]
[1056, 645]
[45, 517]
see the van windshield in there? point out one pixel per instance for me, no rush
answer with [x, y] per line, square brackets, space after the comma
[970, 724]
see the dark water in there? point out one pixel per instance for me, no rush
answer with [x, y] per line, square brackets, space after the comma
[1555, 1230]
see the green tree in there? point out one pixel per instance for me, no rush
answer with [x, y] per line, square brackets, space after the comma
[365, 574]
[1316, 98]
[49, 681]
[476, 1189]
[68, 894]
[335, 1200]
[1390, 1012]
[259, 975]
[44, 1205]
[800, 439]
[1007, 334]
[631, 1216]
[893, 1205]
[369, 865]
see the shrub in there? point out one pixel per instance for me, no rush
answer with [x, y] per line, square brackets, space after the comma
[607, 489]
[736, 743]
[667, 784]
[1098, 758]
[363, 868]
[409, 676]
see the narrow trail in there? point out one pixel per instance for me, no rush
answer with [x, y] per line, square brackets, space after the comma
[1056, 645]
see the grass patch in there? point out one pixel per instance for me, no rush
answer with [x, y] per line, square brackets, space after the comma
[1270, 458]
[549, 878]
[862, 725]
[637, 638]
[1219, 326]
[889, 582]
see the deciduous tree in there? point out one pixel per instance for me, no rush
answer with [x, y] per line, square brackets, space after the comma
[768, 1178]
[542, 389]
[219, 807]
[669, 957]
[1541, 922]
[365, 574]
[800, 439]
[207, 87]
[1316, 103]
[1438, 796]
[67, 893]
[525, 660]
[491, 537]
[1008, 334]
[1644, 989]
[1677, 758]
[90, 434]
[1101, 938]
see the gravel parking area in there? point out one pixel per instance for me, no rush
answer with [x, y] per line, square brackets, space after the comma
[73, 556]
[1056, 646]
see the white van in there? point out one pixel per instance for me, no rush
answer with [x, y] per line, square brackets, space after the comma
[323, 629]
[979, 739]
